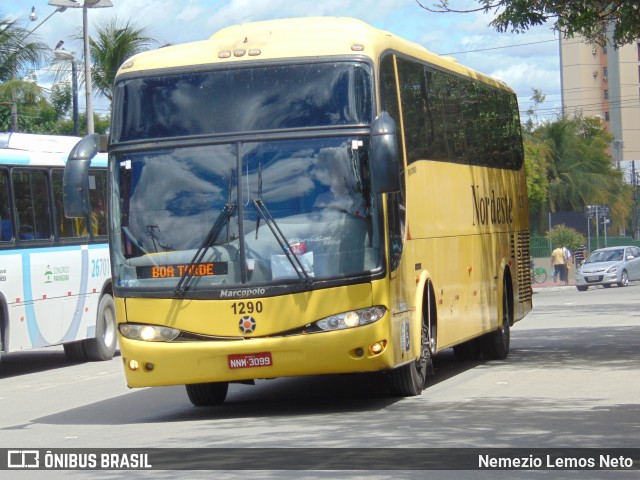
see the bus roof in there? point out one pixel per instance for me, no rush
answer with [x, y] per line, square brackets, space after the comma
[291, 38]
[43, 150]
[37, 143]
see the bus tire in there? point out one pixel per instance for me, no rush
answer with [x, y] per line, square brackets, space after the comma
[495, 345]
[75, 351]
[410, 379]
[103, 345]
[207, 394]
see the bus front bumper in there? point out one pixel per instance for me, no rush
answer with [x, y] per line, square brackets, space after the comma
[362, 349]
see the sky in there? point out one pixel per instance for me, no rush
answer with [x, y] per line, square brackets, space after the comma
[524, 61]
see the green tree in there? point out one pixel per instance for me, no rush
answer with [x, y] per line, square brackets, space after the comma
[17, 99]
[536, 153]
[114, 42]
[563, 236]
[537, 99]
[579, 168]
[591, 18]
[61, 97]
[18, 51]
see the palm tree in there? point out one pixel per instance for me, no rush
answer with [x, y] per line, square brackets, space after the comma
[114, 43]
[580, 169]
[16, 55]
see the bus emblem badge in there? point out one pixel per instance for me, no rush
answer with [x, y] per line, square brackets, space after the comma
[247, 324]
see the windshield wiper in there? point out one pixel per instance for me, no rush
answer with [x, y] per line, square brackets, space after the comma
[212, 236]
[281, 239]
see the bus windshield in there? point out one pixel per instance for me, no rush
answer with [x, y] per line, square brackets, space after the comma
[243, 100]
[233, 214]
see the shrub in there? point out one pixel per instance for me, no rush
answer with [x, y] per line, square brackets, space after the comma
[563, 236]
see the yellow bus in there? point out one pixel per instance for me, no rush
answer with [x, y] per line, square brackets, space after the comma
[310, 196]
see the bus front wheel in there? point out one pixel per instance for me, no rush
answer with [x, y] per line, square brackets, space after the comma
[207, 394]
[103, 345]
[410, 380]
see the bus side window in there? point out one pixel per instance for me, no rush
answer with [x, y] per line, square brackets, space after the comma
[5, 218]
[97, 197]
[77, 227]
[32, 204]
[66, 225]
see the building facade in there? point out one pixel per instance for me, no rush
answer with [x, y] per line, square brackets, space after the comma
[604, 82]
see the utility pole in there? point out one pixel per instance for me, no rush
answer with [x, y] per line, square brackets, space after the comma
[634, 212]
[14, 112]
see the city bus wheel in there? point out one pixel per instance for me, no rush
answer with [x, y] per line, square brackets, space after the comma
[207, 394]
[103, 345]
[409, 380]
[495, 345]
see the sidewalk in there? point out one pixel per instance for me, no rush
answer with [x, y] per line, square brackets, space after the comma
[549, 283]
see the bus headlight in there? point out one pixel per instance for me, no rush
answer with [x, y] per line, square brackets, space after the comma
[148, 333]
[354, 318]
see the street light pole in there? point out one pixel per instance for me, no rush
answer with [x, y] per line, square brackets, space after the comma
[88, 84]
[33, 17]
[87, 58]
[64, 55]
[74, 90]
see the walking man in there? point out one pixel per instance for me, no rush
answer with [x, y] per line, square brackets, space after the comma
[558, 262]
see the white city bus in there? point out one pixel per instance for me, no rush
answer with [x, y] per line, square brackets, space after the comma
[55, 276]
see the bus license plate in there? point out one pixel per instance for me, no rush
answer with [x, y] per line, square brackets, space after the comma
[249, 360]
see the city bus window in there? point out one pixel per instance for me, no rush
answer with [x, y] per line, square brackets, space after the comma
[97, 196]
[69, 227]
[5, 217]
[66, 225]
[32, 204]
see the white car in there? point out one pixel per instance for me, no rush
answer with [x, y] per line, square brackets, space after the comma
[609, 266]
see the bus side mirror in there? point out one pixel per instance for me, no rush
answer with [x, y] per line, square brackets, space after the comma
[76, 177]
[384, 155]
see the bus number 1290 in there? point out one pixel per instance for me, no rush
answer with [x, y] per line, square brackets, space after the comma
[241, 308]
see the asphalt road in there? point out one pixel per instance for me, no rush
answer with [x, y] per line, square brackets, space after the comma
[571, 380]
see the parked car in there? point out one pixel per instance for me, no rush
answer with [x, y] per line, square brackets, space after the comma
[609, 266]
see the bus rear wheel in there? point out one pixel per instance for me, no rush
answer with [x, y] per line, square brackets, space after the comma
[207, 394]
[495, 345]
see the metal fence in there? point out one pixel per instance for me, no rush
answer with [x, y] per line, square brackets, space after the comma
[541, 247]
